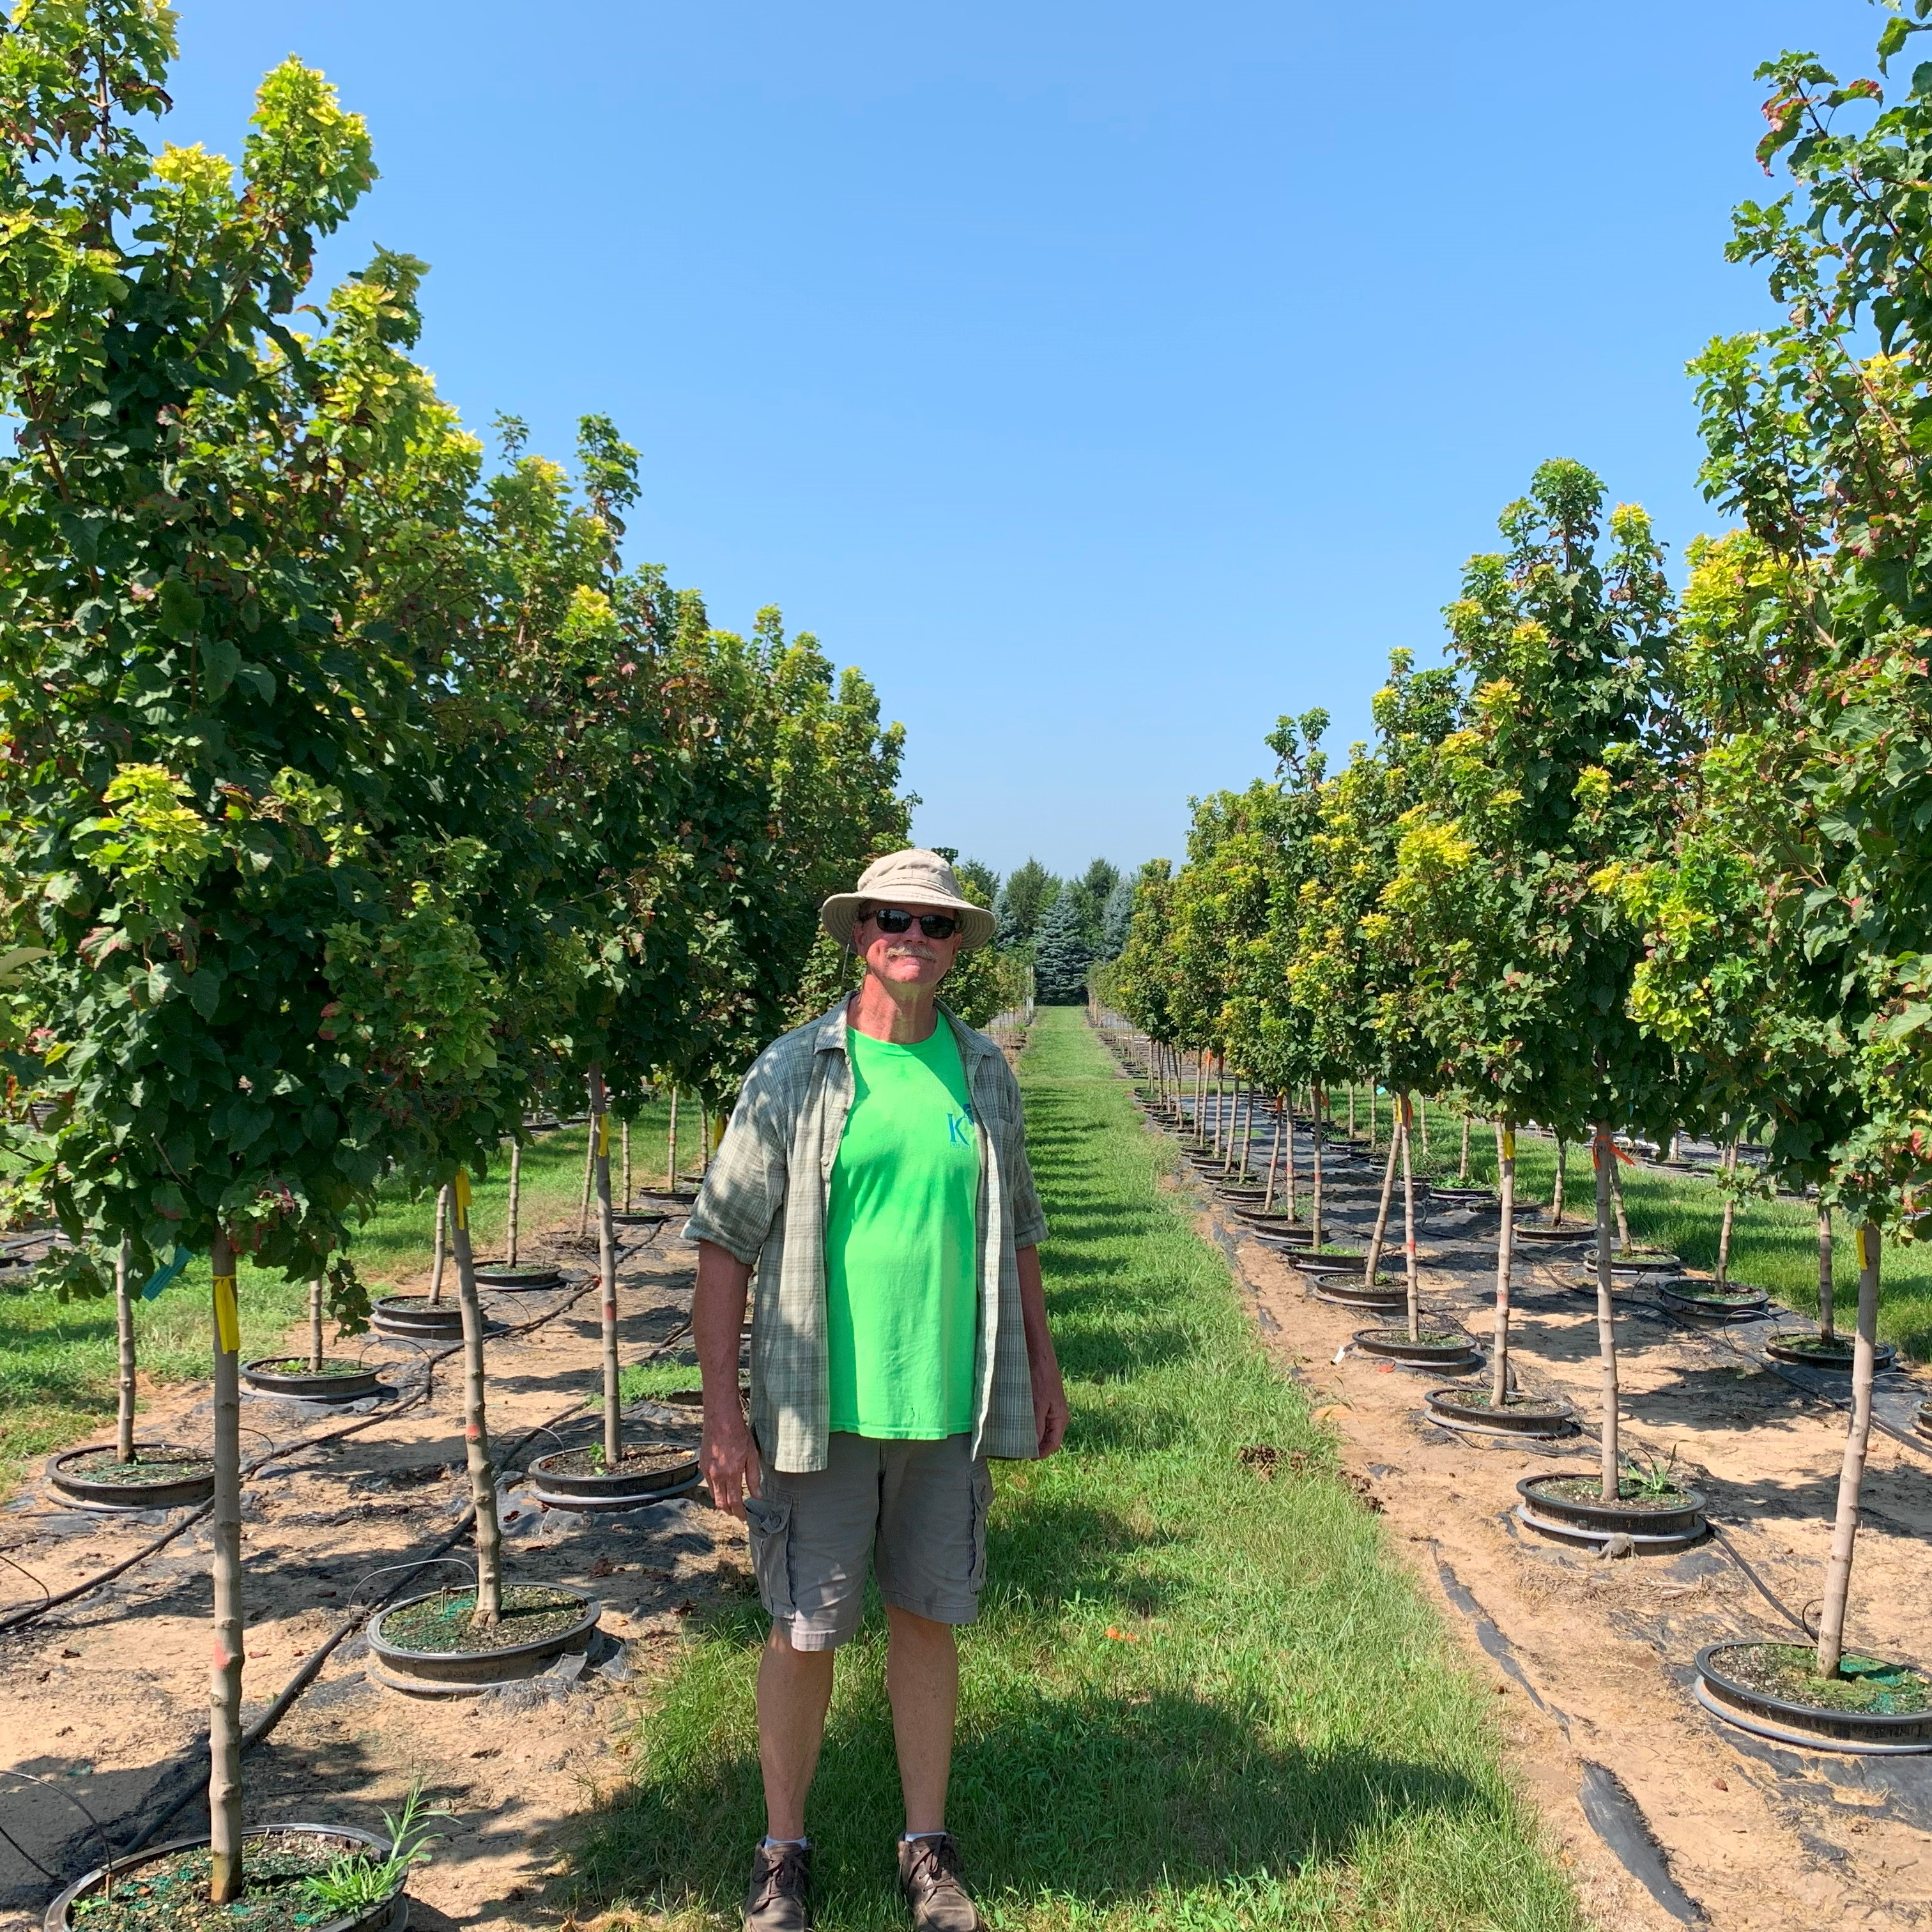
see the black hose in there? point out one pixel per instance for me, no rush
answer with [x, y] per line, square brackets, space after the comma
[310, 1668]
[21, 1619]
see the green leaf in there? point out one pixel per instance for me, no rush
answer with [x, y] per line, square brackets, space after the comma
[220, 661]
[178, 610]
[204, 992]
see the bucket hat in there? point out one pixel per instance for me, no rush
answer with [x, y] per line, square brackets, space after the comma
[913, 878]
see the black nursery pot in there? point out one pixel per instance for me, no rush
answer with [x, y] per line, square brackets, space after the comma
[415, 1318]
[1804, 1350]
[1591, 1519]
[1528, 1416]
[1448, 1354]
[650, 1479]
[1350, 1292]
[1685, 1296]
[465, 1672]
[67, 1473]
[1721, 1692]
[389, 1915]
[518, 1277]
[1322, 1266]
[349, 1383]
[1922, 1420]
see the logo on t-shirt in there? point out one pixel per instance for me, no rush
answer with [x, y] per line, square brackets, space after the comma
[956, 1126]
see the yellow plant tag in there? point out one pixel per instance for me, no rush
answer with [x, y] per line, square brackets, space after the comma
[717, 1131]
[1864, 1245]
[603, 1135]
[459, 1193]
[1509, 1143]
[227, 1316]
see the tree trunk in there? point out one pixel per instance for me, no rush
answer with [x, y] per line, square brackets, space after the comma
[1617, 1201]
[1374, 1112]
[1462, 1165]
[589, 1178]
[441, 1247]
[1314, 1196]
[476, 1421]
[1234, 1123]
[1351, 1110]
[1828, 1296]
[1398, 1128]
[704, 1138]
[1247, 1132]
[1729, 1215]
[1852, 1474]
[224, 1697]
[627, 1167]
[1562, 1175]
[607, 1272]
[1274, 1163]
[1505, 1258]
[1200, 1095]
[516, 1197]
[315, 1326]
[1422, 1120]
[123, 1329]
[1606, 1316]
[1284, 1132]
[670, 1146]
[1373, 1265]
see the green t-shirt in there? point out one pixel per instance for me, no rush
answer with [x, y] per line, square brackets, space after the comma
[900, 1298]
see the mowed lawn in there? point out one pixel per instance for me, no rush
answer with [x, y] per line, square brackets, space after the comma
[1196, 1697]
[58, 1362]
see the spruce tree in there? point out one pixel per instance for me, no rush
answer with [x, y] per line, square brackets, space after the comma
[1061, 955]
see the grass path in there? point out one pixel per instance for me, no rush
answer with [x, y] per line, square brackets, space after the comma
[1195, 1698]
[58, 1362]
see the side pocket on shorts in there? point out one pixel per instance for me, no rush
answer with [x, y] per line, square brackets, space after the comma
[982, 1503]
[769, 1524]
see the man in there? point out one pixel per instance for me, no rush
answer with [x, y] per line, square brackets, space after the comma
[874, 1176]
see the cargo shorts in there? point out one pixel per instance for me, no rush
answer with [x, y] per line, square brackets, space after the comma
[916, 1511]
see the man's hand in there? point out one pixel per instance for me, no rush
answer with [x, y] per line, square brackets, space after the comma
[1049, 1405]
[727, 1455]
[729, 1458]
[1049, 1393]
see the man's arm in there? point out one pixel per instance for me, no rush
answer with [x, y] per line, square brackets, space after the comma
[728, 1455]
[1049, 1393]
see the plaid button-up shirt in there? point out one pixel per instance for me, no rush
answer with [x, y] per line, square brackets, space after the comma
[764, 1200]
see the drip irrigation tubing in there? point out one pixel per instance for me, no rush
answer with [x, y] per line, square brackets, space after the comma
[18, 1620]
[306, 1672]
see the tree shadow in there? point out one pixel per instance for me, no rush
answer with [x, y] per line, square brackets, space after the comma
[1093, 1799]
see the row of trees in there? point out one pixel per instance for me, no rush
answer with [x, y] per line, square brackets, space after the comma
[354, 797]
[1633, 862]
[1063, 927]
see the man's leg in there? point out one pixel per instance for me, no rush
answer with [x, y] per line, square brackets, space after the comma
[794, 1689]
[923, 1681]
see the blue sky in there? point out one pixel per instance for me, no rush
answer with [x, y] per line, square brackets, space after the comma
[1105, 379]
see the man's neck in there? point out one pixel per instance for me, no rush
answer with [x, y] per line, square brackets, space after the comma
[880, 1014]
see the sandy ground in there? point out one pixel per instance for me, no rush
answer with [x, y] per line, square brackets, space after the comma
[1591, 1660]
[107, 1699]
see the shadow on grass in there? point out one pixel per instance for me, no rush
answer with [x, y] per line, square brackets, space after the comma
[1093, 1799]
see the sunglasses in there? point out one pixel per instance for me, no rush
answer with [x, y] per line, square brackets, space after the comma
[894, 919]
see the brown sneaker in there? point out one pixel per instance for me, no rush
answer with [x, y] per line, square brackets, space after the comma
[780, 1899]
[929, 1878]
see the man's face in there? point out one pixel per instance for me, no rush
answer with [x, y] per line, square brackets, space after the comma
[908, 958]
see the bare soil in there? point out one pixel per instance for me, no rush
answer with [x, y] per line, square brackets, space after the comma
[1591, 1658]
[106, 1699]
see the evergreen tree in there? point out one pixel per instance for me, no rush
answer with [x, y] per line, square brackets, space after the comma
[1061, 955]
[1115, 918]
[1022, 901]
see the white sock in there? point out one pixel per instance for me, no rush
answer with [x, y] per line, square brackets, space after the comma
[914, 1838]
[768, 1841]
